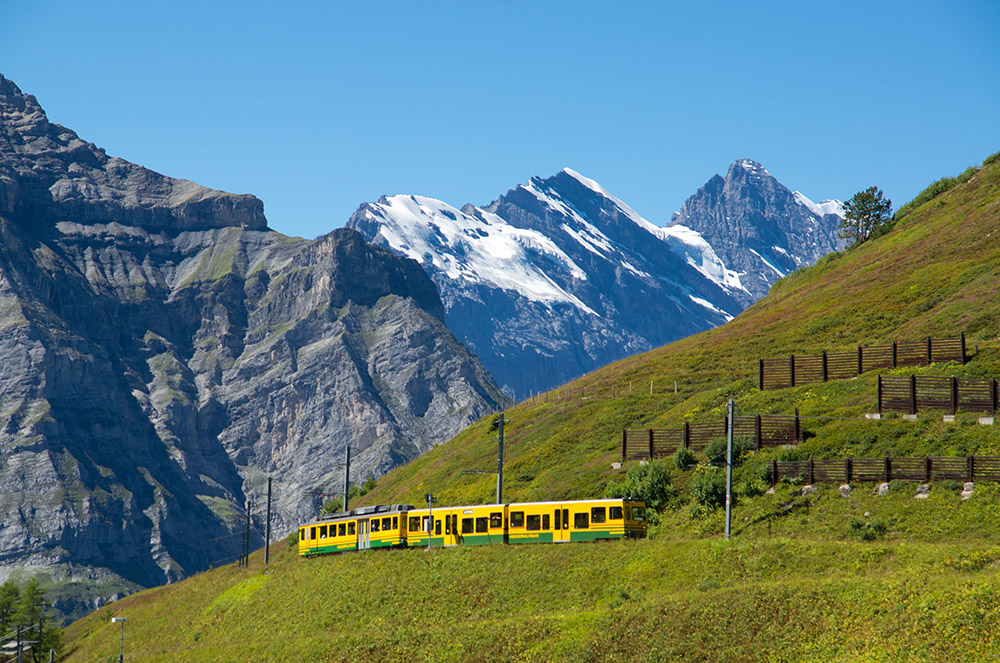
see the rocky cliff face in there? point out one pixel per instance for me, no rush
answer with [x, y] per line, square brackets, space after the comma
[164, 353]
[758, 227]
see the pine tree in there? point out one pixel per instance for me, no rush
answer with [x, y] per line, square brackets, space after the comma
[10, 597]
[866, 213]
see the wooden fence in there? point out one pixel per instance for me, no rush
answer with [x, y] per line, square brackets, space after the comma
[924, 392]
[766, 430]
[928, 468]
[793, 370]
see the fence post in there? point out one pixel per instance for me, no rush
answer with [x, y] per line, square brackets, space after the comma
[880, 394]
[824, 366]
[894, 354]
[888, 468]
[963, 347]
[760, 373]
[928, 350]
[861, 367]
[651, 444]
[847, 469]
[954, 395]
[971, 467]
[993, 406]
[687, 435]
[913, 394]
[624, 444]
[791, 368]
[798, 426]
[757, 433]
[812, 479]
[774, 472]
[927, 469]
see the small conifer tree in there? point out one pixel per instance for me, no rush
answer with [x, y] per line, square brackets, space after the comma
[866, 213]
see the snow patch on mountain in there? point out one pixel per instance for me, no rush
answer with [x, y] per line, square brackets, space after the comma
[821, 209]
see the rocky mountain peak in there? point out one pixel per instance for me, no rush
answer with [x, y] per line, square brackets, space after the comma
[48, 171]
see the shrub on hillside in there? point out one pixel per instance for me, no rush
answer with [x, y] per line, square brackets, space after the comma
[684, 458]
[708, 487]
[867, 530]
[650, 482]
[715, 452]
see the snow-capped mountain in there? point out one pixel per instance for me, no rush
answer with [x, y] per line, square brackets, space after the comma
[557, 277]
[758, 227]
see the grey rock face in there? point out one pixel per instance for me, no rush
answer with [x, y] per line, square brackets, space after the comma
[758, 227]
[154, 376]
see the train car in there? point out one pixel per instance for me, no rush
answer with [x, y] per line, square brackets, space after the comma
[483, 524]
[360, 529]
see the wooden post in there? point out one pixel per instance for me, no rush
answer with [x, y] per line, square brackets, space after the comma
[913, 394]
[791, 368]
[798, 426]
[774, 472]
[963, 347]
[880, 394]
[861, 367]
[888, 468]
[824, 366]
[954, 395]
[760, 373]
[624, 445]
[927, 469]
[847, 469]
[971, 468]
[812, 477]
[928, 350]
[687, 435]
[993, 407]
[651, 444]
[757, 432]
[894, 354]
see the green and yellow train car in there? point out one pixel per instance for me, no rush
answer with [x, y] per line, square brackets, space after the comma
[485, 524]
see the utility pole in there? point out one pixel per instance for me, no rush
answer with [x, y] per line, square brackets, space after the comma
[246, 536]
[500, 462]
[267, 528]
[347, 478]
[430, 518]
[729, 469]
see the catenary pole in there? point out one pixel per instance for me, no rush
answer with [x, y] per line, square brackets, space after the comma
[500, 461]
[729, 470]
[347, 478]
[267, 527]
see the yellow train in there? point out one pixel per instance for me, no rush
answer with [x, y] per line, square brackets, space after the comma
[402, 525]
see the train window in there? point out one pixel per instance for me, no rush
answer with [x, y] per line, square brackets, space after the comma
[517, 518]
[616, 513]
[534, 522]
[414, 523]
[496, 519]
[447, 525]
[597, 514]
[350, 528]
[558, 520]
[341, 529]
[312, 533]
[466, 525]
[482, 525]
[302, 534]
[638, 513]
[437, 526]
[580, 520]
[375, 526]
[386, 524]
[395, 522]
[322, 531]
[545, 521]
[426, 524]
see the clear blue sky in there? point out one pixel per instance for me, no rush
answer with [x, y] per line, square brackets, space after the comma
[316, 107]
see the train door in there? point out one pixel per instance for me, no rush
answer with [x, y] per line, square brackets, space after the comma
[560, 524]
[364, 535]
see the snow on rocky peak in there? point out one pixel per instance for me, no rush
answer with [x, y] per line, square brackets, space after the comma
[821, 209]
[479, 247]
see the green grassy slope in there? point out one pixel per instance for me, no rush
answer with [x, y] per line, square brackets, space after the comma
[796, 583]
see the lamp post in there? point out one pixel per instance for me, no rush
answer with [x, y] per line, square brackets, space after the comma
[121, 647]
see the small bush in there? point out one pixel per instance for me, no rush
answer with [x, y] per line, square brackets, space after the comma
[990, 159]
[708, 487]
[715, 452]
[867, 530]
[684, 458]
[651, 483]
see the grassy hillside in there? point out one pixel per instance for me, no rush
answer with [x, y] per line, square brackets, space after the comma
[814, 577]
